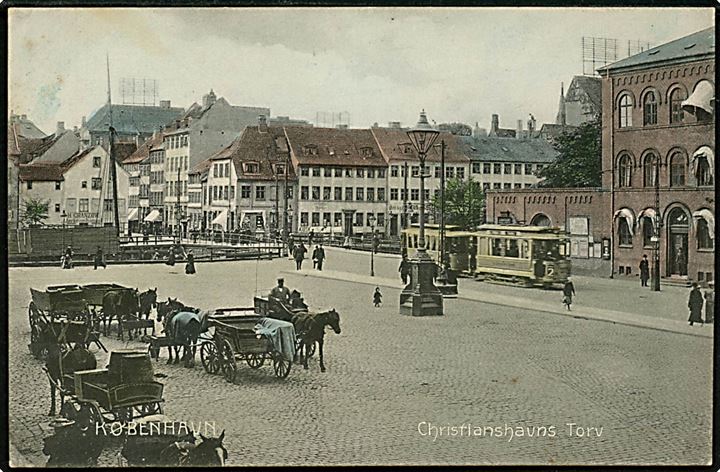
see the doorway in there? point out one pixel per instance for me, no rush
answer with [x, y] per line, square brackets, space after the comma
[677, 237]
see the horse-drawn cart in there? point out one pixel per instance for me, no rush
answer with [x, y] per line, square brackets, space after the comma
[121, 392]
[241, 335]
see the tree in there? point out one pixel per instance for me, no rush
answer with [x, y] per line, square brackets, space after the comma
[464, 203]
[34, 211]
[579, 163]
[459, 129]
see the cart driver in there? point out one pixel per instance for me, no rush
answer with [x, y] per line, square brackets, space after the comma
[280, 293]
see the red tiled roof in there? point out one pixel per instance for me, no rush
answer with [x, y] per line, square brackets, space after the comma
[31, 148]
[41, 172]
[393, 143]
[201, 167]
[345, 144]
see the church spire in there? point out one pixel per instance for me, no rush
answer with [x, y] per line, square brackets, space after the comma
[561, 118]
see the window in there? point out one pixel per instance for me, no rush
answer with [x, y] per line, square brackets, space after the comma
[252, 168]
[360, 172]
[108, 206]
[338, 193]
[677, 169]
[290, 192]
[518, 169]
[624, 235]
[381, 173]
[676, 112]
[359, 194]
[507, 185]
[84, 205]
[476, 168]
[316, 218]
[57, 208]
[438, 172]
[349, 194]
[358, 219]
[496, 168]
[650, 109]
[518, 186]
[245, 191]
[368, 219]
[316, 193]
[260, 192]
[327, 172]
[528, 169]
[280, 169]
[704, 240]
[97, 183]
[427, 194]
[304, 171]
[393, 171]
[648, 231]
[703, 172]
[348, 173]
[507, 169]
[310, 150]
[393, 194]
[381, 194]
[327, 193]
[304, 218]
[371, 173]
[338, 172]
[650, 170]
[414, 194]
[370, 194]
[486, 186]
[403, 194]
[96, 161]
[326, 221]
[366, 152]
[497, 185]
[460, 172]
[215, 170]
[57, 185]
[338, 217]
[625, 111]
[316, 172]
[83, 184]
[625, 171]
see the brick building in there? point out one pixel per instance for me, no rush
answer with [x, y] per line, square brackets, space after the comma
[657, 164]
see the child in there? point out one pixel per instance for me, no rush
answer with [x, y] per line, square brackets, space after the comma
[377, 297]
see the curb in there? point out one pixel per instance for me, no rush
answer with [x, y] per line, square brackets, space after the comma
[384, 282]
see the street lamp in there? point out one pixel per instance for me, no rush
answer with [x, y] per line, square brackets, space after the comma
[64, 216]
[656, 227]
[421, 297]
[371, 220]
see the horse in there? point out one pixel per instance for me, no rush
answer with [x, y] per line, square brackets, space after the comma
[173, 449]
[61, 362]
[119, 304]
[166, 308]
[210, 452]
[74, 443]
[310, 329]
[148, 301]
[184, 327]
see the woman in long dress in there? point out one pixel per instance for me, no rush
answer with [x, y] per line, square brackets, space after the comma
[190, 264]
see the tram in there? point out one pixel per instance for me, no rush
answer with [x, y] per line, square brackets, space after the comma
[530, 255]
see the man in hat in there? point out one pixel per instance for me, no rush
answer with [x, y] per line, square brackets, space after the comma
[280, 293]
[644, 271]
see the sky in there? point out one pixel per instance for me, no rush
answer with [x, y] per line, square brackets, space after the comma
[375, 64]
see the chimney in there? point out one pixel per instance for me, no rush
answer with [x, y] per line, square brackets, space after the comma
[262, 124]
[164, 103]
[519, 130]
[209, 99]
[531, 125]
[177, 124]
[83, 122]
[60, 128]
[494, 125]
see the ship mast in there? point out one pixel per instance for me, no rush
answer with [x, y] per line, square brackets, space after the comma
[111, 152]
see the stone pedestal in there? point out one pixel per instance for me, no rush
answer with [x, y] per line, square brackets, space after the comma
[421, 297]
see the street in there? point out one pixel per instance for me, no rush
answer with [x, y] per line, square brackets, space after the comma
[480, 385]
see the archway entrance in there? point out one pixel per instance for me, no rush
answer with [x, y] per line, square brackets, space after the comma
[677, 237]
[540, 220]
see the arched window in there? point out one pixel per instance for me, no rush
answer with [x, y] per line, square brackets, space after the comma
[648, 231]
[678, 169]
[676, 112]
[703, 171]
[704, 241]
[626, 111]
[540, 220]
[624, 171]
[650, 109]
[624, 235]
[650, 170]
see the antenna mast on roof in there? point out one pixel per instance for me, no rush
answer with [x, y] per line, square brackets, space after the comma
[111, 152]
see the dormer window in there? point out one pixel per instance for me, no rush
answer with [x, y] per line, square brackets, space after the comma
[310, 150]
[251, 168]
[331, 151]
[366, 152]
[279, 169]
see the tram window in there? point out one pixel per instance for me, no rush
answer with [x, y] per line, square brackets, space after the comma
[433, 245]
[524, 249]
[415, 240]
[512, 248]
[562, 249]
[498, 248]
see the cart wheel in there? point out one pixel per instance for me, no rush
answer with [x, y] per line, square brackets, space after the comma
[227, 360]
[89, 413]
[209, 357]
[147, 409]
[281, 365]
[255, 361]
[123, 415]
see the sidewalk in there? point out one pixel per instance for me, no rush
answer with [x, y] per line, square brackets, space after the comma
[523, 299]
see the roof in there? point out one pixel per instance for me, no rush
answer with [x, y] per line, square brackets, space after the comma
[504, 133]
[41, 172]
[493, 149]
[393, 143]
[201, 167]
[592, 86]
[335, 147]
[552, 130]
[143, 152]
[123, 151]
[265, 148]
[25, 128]
[32, 148]
[132, 119]
[692, 47]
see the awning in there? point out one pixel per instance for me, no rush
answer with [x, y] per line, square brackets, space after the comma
[133, 215]
[627, 214]
[707, 153]
[221, 219]
[706, 215]
[153, 216]
[702, 97]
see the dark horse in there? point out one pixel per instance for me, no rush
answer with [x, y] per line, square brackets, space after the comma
[148, 301]
[119, 304]
[208, 453]
[310, 329]
[61, 362]
[184, 327]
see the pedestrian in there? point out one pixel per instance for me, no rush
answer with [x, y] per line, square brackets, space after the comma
[568, 292]
[319, 256]
[314, 257]
[709, 306]
[695, 304]
[299, 255]
[404, 269]
[377, 297]
[644, 271]
[99, 259]
[146, 235]
[156, 255]
[190, 264]
[311, 236]
[171, 256]
[291, 250]
[68, 264]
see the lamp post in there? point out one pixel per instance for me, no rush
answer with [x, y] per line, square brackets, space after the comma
[421, 297]
[372, 247]
[656, 230]
[64, 216]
